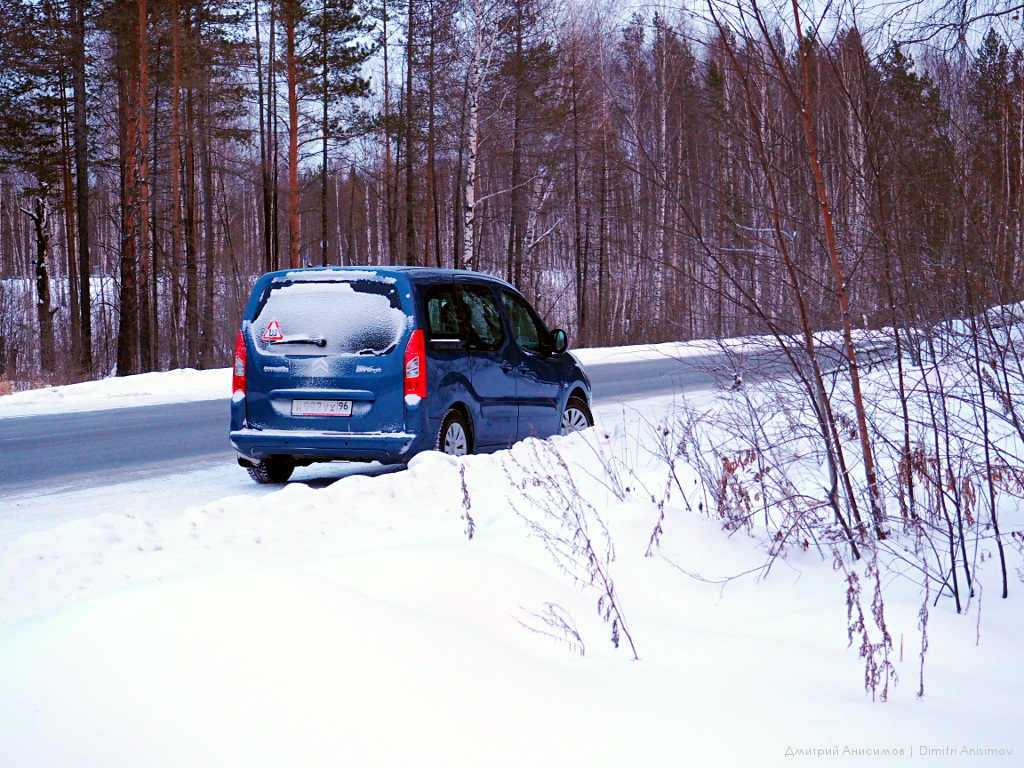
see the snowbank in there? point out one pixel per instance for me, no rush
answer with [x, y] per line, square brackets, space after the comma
[359, 624]
[177, 386]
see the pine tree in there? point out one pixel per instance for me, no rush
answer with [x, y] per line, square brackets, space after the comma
[916, 170]
[31, 60]
[330, 73]
[323, 56]
[994, 157]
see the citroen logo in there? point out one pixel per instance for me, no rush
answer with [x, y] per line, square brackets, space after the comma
[319, 367]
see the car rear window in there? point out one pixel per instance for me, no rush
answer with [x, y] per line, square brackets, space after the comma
[347, 317]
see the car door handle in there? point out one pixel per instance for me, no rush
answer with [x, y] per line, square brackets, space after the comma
[508, 368]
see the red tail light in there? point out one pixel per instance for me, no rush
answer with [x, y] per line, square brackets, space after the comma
[238, 376]
[416, 365]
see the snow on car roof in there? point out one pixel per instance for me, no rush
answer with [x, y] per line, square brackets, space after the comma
[333, 274]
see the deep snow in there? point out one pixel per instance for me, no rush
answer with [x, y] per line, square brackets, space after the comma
[357, 624]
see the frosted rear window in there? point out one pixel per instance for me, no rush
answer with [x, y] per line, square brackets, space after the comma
[316, 318]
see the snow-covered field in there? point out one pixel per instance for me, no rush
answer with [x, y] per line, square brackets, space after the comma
[359, 624]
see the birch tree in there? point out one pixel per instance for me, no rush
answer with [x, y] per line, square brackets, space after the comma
[483, 30]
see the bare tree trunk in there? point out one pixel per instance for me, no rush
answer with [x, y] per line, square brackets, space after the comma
[177, 353]
[458, 187]
[350, 250]
[82, 180]
[146, 350]
[291, 63]
[806, 114]
[432, 204]
[516, 223]
[582, 320]
[476, 77]
[264, 119]
[989, 470]
[155, 250]
[207, 330]
[274, 144]
[74, 286]
[389, 176]
[128, 115]
[411, 257]
[660, 187]
[191, 233]
[324, 131]
[44, 314]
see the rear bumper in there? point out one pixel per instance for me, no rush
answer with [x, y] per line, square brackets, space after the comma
[387, 448]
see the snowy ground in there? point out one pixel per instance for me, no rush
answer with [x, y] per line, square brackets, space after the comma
[359, 624]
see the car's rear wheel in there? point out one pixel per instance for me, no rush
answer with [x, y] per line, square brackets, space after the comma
[576, 416]
[453, 437]
[271, 471]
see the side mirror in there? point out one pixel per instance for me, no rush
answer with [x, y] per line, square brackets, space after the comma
[559, 341]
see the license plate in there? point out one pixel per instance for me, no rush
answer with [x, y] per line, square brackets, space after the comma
[321, 407]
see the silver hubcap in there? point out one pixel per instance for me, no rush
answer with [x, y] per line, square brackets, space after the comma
[573, 420]
[455, 443]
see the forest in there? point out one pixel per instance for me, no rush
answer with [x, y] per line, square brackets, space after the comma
[641, 173]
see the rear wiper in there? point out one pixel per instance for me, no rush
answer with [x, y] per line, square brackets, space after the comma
[302, 338]
[377, 352]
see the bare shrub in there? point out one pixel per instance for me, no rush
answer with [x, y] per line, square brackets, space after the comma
[569, 526]
[867, 624]
[558, 625]
[466, 503]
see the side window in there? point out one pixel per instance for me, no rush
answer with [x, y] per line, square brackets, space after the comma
[483, 316]
[443, 314]
[525, 330]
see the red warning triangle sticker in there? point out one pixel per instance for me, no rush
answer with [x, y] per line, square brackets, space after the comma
[273, 332]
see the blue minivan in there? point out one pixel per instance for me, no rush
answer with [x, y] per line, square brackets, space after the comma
[380, 363]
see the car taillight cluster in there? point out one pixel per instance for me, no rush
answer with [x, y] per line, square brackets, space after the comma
[416, 365]
[238, 374]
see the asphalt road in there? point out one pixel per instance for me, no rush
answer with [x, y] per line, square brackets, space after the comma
[90, 447]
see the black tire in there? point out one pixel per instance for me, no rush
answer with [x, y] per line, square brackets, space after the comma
[454, 437]
[576, 416]
[271, 471]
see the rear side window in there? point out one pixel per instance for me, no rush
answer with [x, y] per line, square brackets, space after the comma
[483, 316]
[443, 315]
[360, 317]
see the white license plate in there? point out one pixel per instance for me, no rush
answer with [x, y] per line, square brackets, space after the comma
[321, 407]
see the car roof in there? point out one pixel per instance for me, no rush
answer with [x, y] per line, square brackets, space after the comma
[419, 275]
